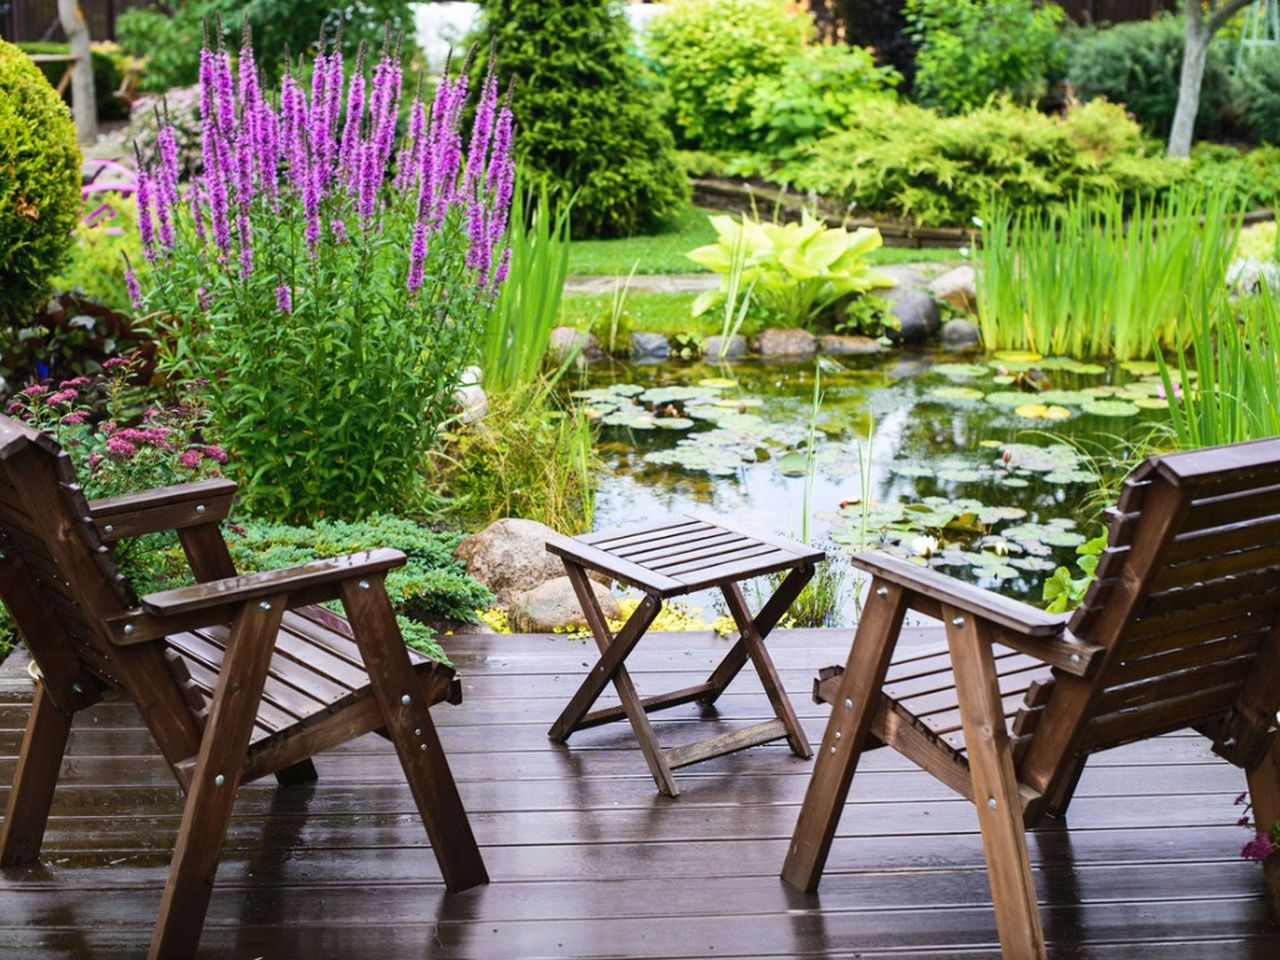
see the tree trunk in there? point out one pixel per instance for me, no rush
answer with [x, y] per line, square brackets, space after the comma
[84, 100]
[1194, 52]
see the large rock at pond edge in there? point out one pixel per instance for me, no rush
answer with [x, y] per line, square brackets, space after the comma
[649, 346]
[916, 313]
[564, 340]
[554, 606]
[961, 335]
[509, 557]
[735, 349]
[852, 346]
[958, 288]
[786, 342]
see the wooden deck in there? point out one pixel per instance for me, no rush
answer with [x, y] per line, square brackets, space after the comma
[587, 859]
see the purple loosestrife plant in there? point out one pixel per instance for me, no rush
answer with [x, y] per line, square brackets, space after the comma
[328, 278]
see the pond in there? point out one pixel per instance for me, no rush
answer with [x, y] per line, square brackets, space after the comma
[993, 469]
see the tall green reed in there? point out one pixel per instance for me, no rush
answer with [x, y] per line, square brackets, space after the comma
[1231, 389]
[518, 328]
[1087, 280]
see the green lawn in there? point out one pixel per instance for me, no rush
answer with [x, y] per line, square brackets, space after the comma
[665, 252]
[667, 313]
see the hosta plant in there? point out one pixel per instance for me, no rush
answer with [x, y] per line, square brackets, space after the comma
[794, 271]
[327, 278]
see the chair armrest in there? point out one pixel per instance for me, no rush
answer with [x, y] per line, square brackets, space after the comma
[1021, 626]
[217, 601]
[164, 508]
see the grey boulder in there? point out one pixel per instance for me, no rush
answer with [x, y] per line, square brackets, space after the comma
[554, 606]
[916, 313]
[733, 349]
[961, 335]
[786, 342]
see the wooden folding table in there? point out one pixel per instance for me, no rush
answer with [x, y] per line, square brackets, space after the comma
[669, 558]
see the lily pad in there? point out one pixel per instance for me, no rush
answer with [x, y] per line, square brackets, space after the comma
[960, 371]
[1071, 365]
[955, 393]
[793, 465]
[1042, 411]
[718, 383]
[1140, 368]
[1008, 398]
[959, 475]
[1016, 356]
[1111, 408]
[1151, 403]
[673, 423]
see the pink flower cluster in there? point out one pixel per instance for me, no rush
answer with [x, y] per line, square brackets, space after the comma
[1259, 848]
[325, 158]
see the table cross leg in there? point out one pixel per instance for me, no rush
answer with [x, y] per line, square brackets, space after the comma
[772, 612]
[752, 640]
[611, 668]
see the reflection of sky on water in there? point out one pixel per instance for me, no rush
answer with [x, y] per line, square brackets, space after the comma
[911, 429]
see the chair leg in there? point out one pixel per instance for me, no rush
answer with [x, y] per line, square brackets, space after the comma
[1061, 798]
[39, 761]
[212, 793]
[304, 771]
[846, 736]
[995, 787]
[398, 690]
[1264, 791]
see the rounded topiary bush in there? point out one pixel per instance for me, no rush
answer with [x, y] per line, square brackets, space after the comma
[589, 117]
[39, 183]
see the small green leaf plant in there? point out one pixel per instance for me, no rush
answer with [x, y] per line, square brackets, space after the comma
[795, 271]
[1063, 592]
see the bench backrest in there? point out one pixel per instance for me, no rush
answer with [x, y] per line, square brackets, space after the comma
[60, 581]
[1187, 597]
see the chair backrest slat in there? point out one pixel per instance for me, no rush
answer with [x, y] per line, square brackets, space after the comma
[1211, 601]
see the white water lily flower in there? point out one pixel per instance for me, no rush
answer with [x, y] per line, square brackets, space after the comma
[924, 546]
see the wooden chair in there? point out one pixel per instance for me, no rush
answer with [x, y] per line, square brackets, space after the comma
[236, 678]
[1180, 629]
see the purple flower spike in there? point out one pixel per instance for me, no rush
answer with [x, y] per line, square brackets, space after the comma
[417, 256]
[131, 285]
[284, 298]
[481, 131]
[146, 227]
[347, 159]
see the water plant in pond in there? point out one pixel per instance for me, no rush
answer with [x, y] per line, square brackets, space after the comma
[513, 343]
[329, 282]
[795, 271]
[1088, 281]
[1230, 391]
[1062, 591]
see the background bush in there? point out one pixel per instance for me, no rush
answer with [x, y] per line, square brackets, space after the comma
[1257, 98]
[96, 263]
[713, 54]
[171, 43]
[589, 120]
[39, 184]
[971, 50]
[907, 161]
[1253, 176]
[818, 89]
[109, 65]
[882, 26]
[1138, 64]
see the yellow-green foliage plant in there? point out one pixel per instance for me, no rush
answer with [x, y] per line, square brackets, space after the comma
[793, 270]
[39, 184]
[1087, 280]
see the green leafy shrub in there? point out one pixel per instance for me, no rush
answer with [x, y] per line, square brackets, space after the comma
[1259, 242]
[971, 50]
[794, 271]
[1253, 176]
[589, 127]
[39, 184]
[96, 263]
[713, 55]
[1257, 95]
[527, 458]
[1138, 64]
[171, 42]
[109, 65]
[818, 89]
[904, 160]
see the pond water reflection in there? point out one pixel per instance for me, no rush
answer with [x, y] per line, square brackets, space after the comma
[994, 467]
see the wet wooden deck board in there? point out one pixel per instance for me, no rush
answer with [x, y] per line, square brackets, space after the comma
[588, 861]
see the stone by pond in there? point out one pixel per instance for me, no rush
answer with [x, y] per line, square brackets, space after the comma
[989, 467]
